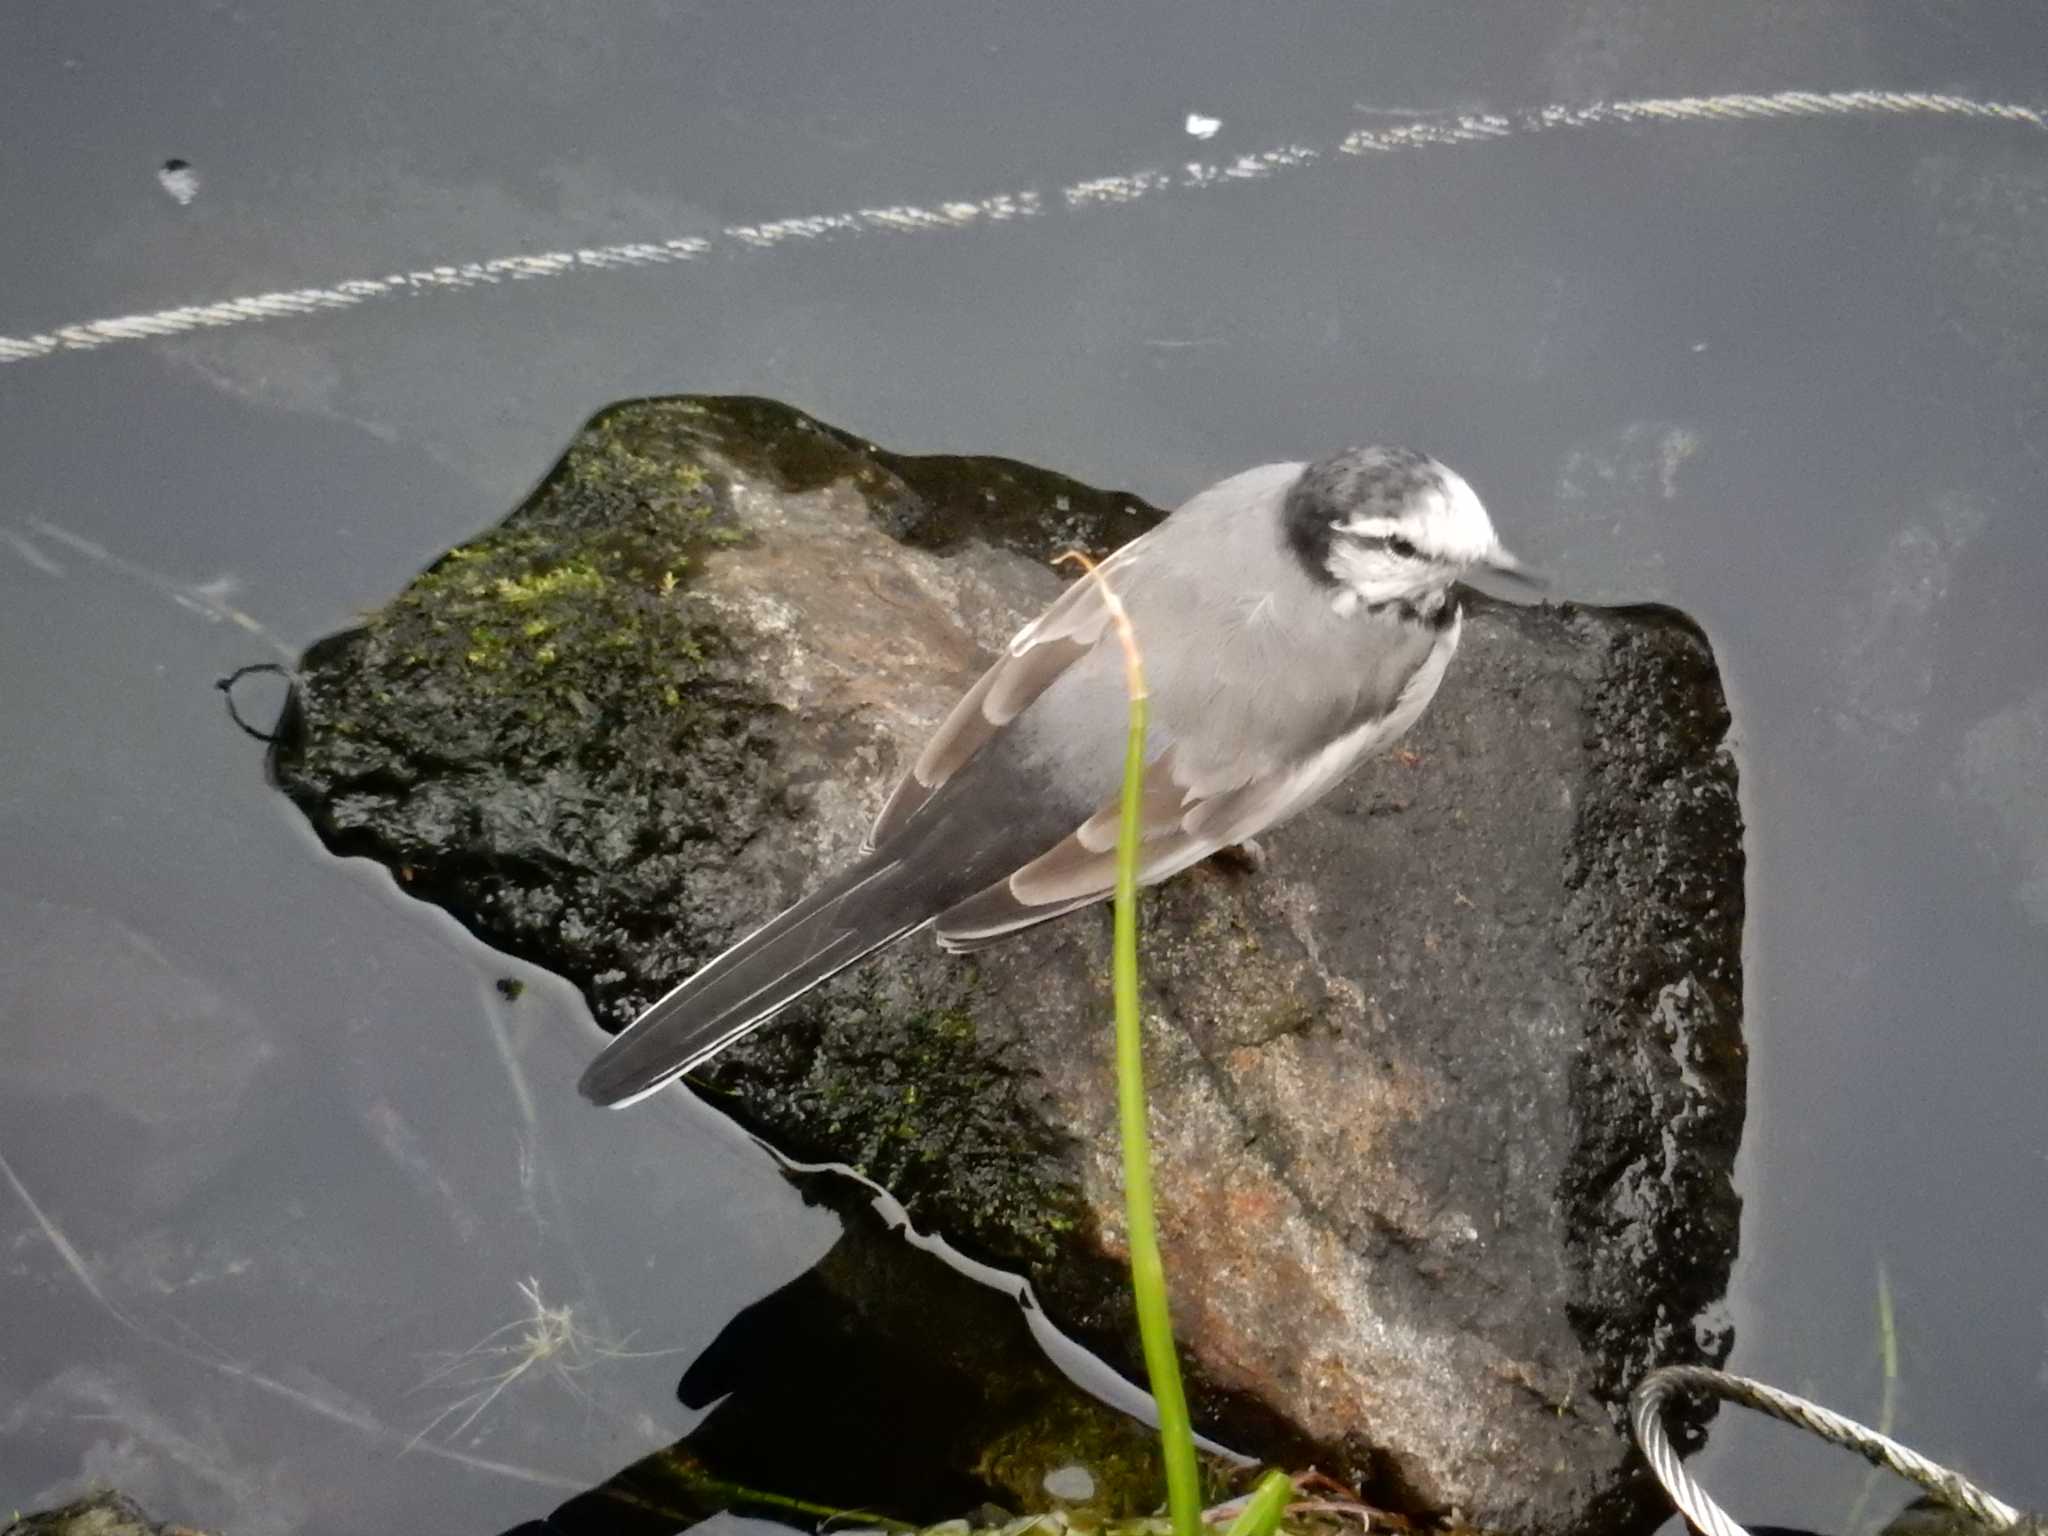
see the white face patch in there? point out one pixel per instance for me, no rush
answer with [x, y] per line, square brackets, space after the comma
[1415, 556]
[1373, 573]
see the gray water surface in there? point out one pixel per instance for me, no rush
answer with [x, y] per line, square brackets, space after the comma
[1786, 374]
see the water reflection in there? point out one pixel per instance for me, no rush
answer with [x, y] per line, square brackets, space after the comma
[258, 1267]
[884, 1380]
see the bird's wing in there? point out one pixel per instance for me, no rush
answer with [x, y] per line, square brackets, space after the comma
[1033, 660]
[1079, 869]
[1177, 829]
[1183, 821]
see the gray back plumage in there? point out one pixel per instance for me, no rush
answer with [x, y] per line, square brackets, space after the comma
[1250, 667]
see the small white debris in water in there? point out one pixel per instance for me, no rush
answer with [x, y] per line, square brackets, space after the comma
[179, 179]
[1203, 127]
[1072, 1484]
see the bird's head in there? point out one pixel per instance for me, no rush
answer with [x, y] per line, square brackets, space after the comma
[1388, 526]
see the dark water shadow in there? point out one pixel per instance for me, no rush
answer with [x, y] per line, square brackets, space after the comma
[888, 1382]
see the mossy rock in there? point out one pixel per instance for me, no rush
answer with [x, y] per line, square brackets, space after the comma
[1446, 1094]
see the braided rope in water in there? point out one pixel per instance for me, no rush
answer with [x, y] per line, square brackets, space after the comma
[1424, 132]
[1693, 109]
[1645, 1411]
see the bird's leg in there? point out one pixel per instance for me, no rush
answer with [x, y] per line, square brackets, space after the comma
[1245, 858]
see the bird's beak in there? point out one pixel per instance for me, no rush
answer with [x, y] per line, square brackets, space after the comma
[1504, 564]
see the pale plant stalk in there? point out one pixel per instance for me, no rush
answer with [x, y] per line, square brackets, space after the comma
[1888, 1409]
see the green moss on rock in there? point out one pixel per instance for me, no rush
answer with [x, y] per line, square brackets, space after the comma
[542, 731]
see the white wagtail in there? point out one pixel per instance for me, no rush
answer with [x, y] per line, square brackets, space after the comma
[1293, 619]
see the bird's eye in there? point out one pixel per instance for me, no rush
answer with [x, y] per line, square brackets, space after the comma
[1401, 546]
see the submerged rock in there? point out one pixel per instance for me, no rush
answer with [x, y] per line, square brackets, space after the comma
[98, 1514]
[1446, 1094]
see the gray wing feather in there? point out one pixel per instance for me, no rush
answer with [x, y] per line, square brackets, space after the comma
[1032, 662]
[1081, 868]
[1182, 824]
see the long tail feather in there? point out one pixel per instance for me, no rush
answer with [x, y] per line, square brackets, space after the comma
[851, 917]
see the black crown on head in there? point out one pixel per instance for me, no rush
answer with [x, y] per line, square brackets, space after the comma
[1359, 482]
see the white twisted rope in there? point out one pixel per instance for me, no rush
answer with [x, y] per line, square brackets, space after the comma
[1645, 1411]
[1100, 191]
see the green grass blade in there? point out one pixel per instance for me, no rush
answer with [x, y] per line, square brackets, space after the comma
[1148, 1273]
[1262, 1511]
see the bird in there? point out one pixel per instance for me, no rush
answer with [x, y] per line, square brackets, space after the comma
[1294, 619]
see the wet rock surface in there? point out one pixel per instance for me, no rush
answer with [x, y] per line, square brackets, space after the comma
[1446, 1094]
